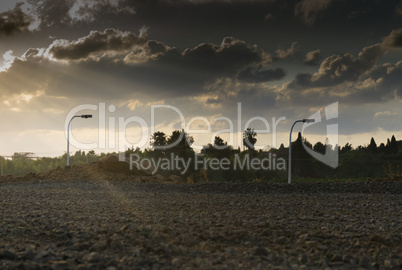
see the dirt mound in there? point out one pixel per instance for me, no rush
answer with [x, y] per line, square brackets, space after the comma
[111, 163]
[107, 168]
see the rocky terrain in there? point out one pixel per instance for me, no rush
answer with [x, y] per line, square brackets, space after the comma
[106, 224]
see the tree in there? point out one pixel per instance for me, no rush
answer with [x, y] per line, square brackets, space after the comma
[219, 143]
[381, 148]
[372, 147]
[179, 142]
[221, 148]
[158, 140]
[249, 138]
[347, 148]
[216, 149]
[301, 160]
[393, 146]
[282, 151]
[319, 147]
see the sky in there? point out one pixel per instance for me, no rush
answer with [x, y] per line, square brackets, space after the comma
[212, 67]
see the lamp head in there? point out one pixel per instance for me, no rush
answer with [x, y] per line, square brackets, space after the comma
[308, 120]
[86, 116]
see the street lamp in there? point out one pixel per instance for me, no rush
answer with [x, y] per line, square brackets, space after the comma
[290, 146]
[68, 134]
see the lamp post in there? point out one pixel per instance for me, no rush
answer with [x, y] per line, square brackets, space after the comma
[290, 146]
[68, 134]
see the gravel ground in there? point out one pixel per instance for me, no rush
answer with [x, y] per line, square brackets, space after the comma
[122, 225]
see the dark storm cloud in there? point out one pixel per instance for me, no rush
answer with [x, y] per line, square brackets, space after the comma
[337, 69]
[51, 12]
[310, 10]
[113, 65]
[285, 53]
[378, 85]
[227, 58]
[261, 76]
[312, 58]
[188, 23]
[394, 40]
[110, 40]
[236, 17]
[156, 47]
[381, 84]
[14, 20]
[88, 10]
[186, 72]
[354, 80]
[212, 101]
[202, 63]
[390, 79]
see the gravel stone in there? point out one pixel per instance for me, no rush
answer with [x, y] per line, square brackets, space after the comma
[260, 251]
[107, 224]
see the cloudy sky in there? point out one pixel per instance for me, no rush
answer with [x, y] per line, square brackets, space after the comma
[215, 61]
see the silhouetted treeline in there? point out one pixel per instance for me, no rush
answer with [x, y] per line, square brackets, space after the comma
[369, 161]
[360, 162]
[221, 162]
